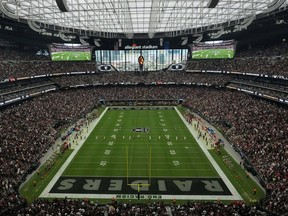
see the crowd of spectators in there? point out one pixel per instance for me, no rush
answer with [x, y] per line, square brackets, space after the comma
[278, 49]
[272, 60]
[145, 78]
[20, 69]
[260, 132]
[16, 54]
[261, 128]
[263, 87]
[14, 90]
[257, 65]
[157, 208]
[26, 131]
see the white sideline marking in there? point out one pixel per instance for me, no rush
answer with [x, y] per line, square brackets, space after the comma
[235, 194]
[45, 192]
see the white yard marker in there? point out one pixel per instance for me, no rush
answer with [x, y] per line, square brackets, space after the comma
[176, 163]
[172, 152]
[103, 163]
[107, 152]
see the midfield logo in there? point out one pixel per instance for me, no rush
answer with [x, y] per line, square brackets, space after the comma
[163, 186]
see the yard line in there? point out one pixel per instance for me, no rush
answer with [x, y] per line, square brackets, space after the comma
[139, 157]
[138, 169]
[94, 162]
[131, 176]
[140, 147]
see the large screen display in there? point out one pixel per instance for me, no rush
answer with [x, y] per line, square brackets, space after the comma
[70, 52]
[154, 59]
[214, 50]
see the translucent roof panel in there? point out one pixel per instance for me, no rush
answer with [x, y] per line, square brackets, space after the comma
[136, 16]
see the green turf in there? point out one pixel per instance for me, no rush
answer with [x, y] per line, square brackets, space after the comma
[149, 154]
[42, 178]
[213, 54]
[146, 157]
[71, 56]
[238, 177]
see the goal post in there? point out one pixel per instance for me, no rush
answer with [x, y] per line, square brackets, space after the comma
[139, 185]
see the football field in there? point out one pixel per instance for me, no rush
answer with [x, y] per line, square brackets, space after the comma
[71, 56]
[213, 54]
[141, 152]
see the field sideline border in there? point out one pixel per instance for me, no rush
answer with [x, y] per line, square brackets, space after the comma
[235, 195]
[45, 192]
[230, 186]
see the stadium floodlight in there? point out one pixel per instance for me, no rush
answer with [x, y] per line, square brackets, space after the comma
[82, 40]
[8, 11]
[212, 3]
[62, 5]
[34, 26]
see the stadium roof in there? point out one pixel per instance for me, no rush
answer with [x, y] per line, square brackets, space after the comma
[130, 17]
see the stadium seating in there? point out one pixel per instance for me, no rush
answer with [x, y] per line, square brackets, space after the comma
[260, 128]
